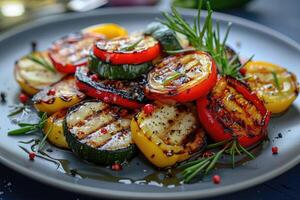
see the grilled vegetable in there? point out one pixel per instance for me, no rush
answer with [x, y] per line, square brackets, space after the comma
[168, 135]
[54, 128]
[117, 72]
[99, 132]
[135, 49]
[231, 110]
[124, 93]
[166, 37]
[277, 87]
[32, 75]
[72, 51]
[59, 96]
[109, 30]
[183, 77]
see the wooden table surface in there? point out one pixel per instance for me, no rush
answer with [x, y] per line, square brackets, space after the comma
[280, 15]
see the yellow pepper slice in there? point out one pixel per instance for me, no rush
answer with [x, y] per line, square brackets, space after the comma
[54, 128]
[152, 151]
[61, 95]
[277, 87]
[109, 30]
[167, 136]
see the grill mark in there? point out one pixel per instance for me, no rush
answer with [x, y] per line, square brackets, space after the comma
[167, 132]
[91, 137]
[85, 134]
[231, 121]
[94, 114]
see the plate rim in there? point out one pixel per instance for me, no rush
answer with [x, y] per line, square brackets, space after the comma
[210, 192]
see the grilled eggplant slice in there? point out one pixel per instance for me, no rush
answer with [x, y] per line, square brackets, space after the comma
[32, 76]
[54, 129]
[129, 94]
[168, 135]
[63, 94]
[100, 133]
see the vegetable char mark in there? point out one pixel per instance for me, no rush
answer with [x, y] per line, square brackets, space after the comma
[173, 124]
[238, 115]
[97, 123]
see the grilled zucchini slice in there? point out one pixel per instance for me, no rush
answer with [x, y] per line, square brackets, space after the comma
[54, 128]
[61, 95]
[100, 133]
[32, 76]
[170, 134]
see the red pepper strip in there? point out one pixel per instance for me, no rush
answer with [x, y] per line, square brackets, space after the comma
[107, 97]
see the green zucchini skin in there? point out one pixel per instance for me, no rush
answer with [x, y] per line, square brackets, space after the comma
[93, 155]
[166, 37]
[117, 72]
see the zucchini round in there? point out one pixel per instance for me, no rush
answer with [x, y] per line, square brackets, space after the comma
[166, 37]
[117, 72]
[100, 133]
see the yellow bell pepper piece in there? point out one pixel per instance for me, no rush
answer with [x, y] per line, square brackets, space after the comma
[54, 128]
[277, 87]
[66, 95]
[109, 30]
[152, 151]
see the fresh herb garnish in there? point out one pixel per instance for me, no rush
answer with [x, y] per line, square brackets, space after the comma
[204, 165]
[132, 46]
[276, 80]
[205, 38]
[171, 78]
[17, 110]
[42, 143]
[194, 34]
[180, 51]
[39, 59]
[27, 127]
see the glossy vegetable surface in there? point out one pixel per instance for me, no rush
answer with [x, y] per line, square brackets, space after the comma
[124, 93]
[109, 30]
[277, 87]
[166, 37]
[134, 49]
[59, 96]
[232, 110]
[117, 72]
[32, 76]
[182, 77]
[168, 135]
[99, 133]
[54, 128]
[72, 51]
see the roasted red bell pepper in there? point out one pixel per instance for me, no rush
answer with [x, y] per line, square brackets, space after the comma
[128, 94]
[231, 110]
[127, 50]
[72, 51]
[182, 77]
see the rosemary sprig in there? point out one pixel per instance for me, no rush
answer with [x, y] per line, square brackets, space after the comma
[17, 110]
[27, 127]
[39, 59]
[172, 77]
[204, 165]
[132, 46]
[205, 38]
[42, 143]
[195, 34]
[276, 81]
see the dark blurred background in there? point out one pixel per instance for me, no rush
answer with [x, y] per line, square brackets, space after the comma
[280, 15]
